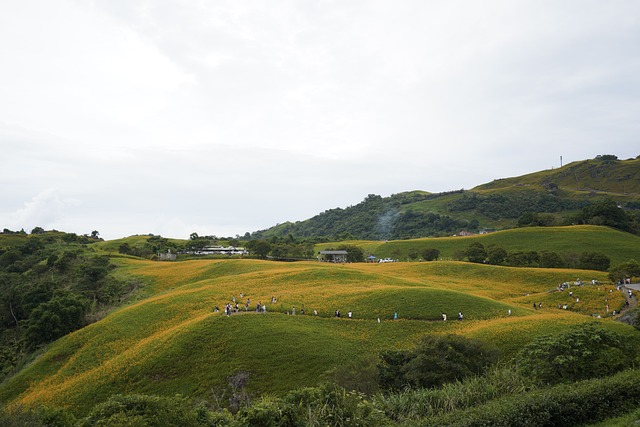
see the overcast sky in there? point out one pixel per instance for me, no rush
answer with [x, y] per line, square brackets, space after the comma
[221, 117]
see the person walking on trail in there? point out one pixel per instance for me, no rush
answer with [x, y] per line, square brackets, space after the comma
[350, 314]
[460, 315]
[444, 317]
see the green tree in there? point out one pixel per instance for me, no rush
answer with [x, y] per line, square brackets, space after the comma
[594, 261]
[476, 252]
[144, 410]
[64, 313]
[37, 230]
[259, 248]
[430, 254]
[629, 269]
[606, 212]
[550, 259]
[496, 254]
[437, 359]
[354, 253]
[523, 259]
[585, 351]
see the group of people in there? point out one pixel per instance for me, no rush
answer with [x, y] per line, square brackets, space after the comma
[444, 316]
[234, 306]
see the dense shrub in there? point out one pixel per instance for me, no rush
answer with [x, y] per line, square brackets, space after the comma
[318, 406]
[586, 351]
[562, 405]
[435, 361]
[40, 417]
[476, 252]
[144, 410]
[625, 270]
[594, 261]
[51, 320]
[413, 404]
[430, 254]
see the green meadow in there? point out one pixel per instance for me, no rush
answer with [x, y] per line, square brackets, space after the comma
[171, 341]
[617, 245]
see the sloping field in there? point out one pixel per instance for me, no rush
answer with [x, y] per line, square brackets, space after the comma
[617, 245]
[173, 342]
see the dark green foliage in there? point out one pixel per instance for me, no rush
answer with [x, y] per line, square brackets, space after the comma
[334, 406]
[523, 259]
[125, 249]
[549, 259]
[435, 361]
[374, 218]
[49, 284]
[607, 158]
[270, 412]
[563, 405]
[41, 417]
[354, 253]
[411, 224]
[629, 269]
[37, 230]
[583, 352]
[594, 261]
[531, 219]
[144, 410]
[476, 252]
[512, 205]
[64, 313]
[607, 213]
[360, 376]
[391, 376]
[327, 405]
[259, 248]
[496, 254]
[430, 254]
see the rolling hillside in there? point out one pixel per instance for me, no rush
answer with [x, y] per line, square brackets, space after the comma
[174, 343]
[139, 326]
[619, 246]
[559, 195]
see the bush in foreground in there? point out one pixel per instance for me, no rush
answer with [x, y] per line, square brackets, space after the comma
[586, 351]
[562, 405]
[435, 361]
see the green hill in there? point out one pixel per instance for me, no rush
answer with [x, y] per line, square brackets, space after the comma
[618, 246]
[552, 197]
[174, 343]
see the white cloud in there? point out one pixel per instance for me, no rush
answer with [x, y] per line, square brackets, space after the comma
[46, 209]
[238, 115]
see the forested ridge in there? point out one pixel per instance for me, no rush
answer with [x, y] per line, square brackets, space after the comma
[586, 192]
[51, 284]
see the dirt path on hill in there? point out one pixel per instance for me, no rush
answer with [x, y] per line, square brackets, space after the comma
[627, 314]
[632, 300]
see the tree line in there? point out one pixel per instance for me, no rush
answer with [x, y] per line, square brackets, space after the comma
[50, 285]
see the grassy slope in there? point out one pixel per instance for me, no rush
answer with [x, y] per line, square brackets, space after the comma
[619, 246]
[587, 176]
[587, 180]
[172, 342]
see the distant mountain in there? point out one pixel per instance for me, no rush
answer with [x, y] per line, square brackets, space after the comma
[600, 191]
